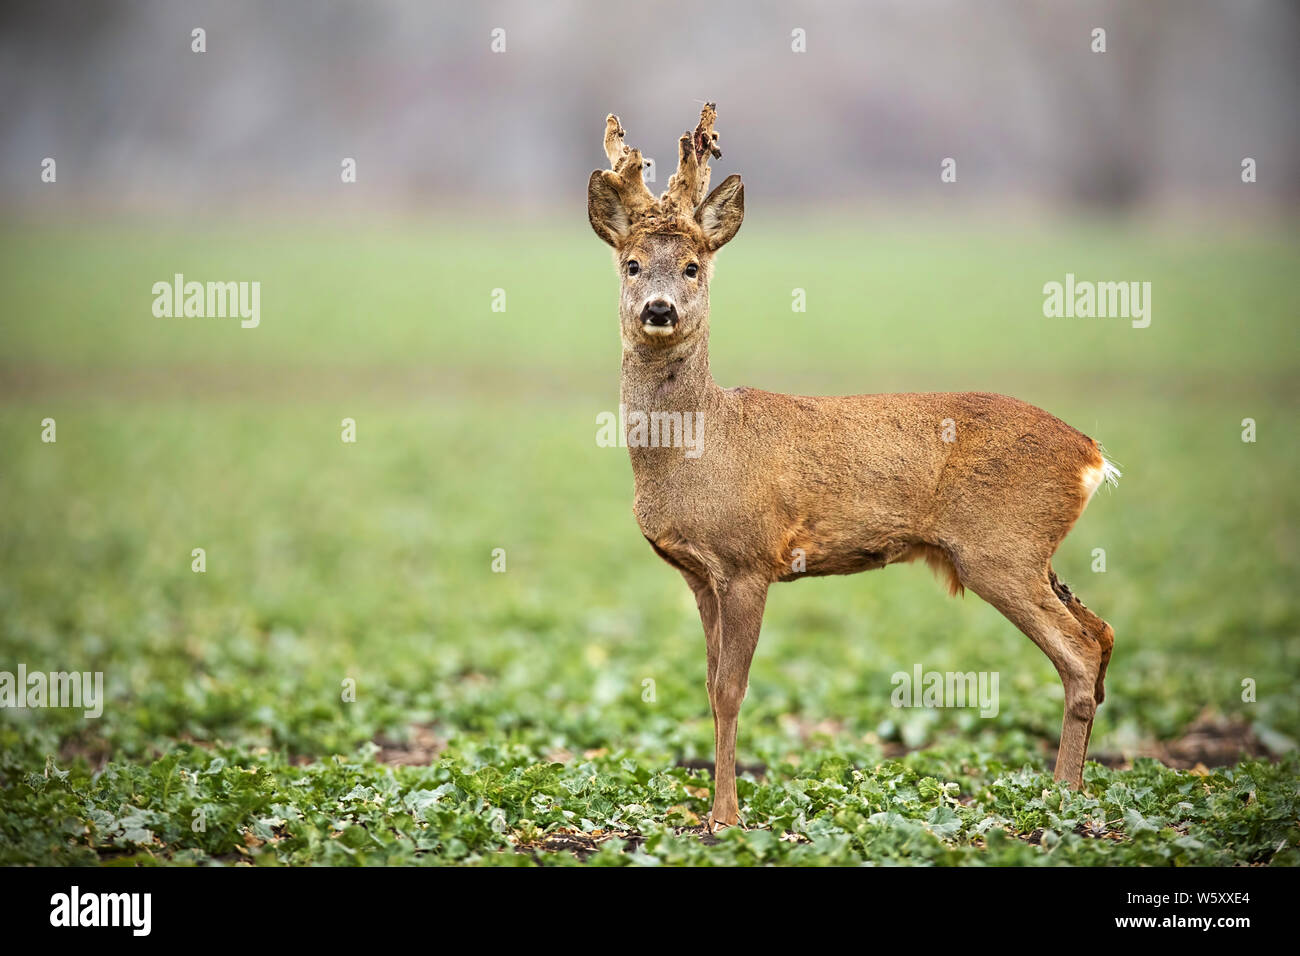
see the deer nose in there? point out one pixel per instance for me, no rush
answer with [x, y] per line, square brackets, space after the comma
[659, 312]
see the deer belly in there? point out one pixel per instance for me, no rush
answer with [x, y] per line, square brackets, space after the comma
[816, 555]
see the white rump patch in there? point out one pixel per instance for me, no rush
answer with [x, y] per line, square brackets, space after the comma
[1094, 476]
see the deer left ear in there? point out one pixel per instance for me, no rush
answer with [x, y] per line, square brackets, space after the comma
[605, 208]
[721, 214]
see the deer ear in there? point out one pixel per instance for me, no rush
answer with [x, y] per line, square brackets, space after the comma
[605, 208]
[721, 214]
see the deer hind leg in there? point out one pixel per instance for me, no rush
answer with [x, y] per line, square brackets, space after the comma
[1031, 602]
[740, 616]
[1096, 628]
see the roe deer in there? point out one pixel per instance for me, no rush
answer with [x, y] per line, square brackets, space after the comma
[849, 483]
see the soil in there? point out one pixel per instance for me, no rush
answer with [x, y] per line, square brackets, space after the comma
[1209, 741]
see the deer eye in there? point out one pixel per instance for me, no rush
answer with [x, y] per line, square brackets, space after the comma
[692, 270]
[633, 267]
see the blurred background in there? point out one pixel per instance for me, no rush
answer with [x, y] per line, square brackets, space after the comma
[476, 428]
[414, 92]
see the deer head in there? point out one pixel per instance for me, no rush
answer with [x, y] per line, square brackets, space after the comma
[664, 247]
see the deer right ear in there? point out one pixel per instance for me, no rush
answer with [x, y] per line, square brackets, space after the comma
[721, 214]
[605, 208]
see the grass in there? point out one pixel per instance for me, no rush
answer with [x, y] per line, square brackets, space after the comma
[506, 718]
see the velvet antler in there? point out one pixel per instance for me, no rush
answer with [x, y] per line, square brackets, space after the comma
[625, 172]
[687, 187]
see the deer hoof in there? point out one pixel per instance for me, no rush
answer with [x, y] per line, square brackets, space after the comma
[717, 824]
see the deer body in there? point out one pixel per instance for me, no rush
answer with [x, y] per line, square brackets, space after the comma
[981, 486]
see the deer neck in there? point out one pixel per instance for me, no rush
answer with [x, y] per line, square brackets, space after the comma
[673, 379]
[675, 382]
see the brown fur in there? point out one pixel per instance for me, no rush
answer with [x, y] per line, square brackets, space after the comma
[793, 486]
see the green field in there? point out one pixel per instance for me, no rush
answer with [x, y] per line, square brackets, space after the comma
[501, 718]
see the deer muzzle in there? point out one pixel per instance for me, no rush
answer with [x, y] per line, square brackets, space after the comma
[659, 317]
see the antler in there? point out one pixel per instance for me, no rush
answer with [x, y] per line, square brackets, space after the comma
[688, 185]
[625, 176]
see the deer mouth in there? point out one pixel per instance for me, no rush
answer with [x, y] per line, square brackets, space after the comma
[659, 325]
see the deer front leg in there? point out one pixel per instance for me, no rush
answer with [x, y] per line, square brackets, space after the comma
[706, 599]
[740, 615]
